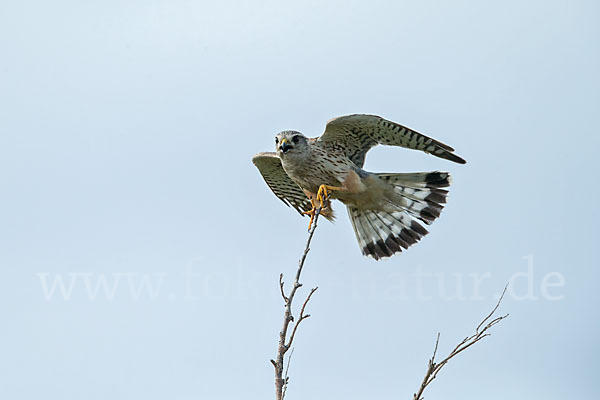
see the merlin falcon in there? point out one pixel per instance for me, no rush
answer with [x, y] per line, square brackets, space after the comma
[387, 210]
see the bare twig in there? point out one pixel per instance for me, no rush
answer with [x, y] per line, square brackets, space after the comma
[285, 299]
[285, 344]
[302, 317]
[434, 368]
[286, 378]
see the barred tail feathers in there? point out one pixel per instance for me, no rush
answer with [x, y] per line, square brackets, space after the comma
[381, 234]
[420, 194]
[416, 197]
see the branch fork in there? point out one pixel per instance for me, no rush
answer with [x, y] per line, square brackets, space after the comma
[434, 368]
[285, 342]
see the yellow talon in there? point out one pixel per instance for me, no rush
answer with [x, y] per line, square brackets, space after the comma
[323, 195]
[312, 217]
[311, 213]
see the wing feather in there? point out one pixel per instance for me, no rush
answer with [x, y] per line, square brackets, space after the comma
[280, 183]
[360, 132]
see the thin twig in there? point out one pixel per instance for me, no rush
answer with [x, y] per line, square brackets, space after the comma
[281, 381]
[302, 317]
[286, 378]
[434, 368]
[285, 299]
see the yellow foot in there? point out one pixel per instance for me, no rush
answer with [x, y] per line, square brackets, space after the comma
[312, 216]
[311, 212]
[323, 195]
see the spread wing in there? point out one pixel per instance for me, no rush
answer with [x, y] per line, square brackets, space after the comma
[359, 132]
[280, 183]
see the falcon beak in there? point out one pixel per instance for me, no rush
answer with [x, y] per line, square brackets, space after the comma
[284, 145]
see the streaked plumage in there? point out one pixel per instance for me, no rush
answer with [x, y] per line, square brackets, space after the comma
[386, 210]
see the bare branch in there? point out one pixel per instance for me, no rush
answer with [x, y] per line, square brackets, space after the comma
[285, 299]
[286, 378]
[434, 368]
[301, 318]
[494, 310]
[285, 344]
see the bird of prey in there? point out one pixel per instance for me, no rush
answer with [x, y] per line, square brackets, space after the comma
[386, 209]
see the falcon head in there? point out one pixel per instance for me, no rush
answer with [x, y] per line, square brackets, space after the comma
[291, 144]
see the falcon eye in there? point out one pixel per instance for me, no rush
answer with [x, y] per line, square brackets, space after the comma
[295, 139]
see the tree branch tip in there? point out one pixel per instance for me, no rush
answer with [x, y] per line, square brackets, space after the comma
[481, 331]
[285, 343]
[505, 288]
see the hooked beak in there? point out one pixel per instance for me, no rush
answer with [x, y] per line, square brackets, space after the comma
[284, 146]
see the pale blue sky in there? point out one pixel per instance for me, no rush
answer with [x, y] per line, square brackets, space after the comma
[126, 133]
